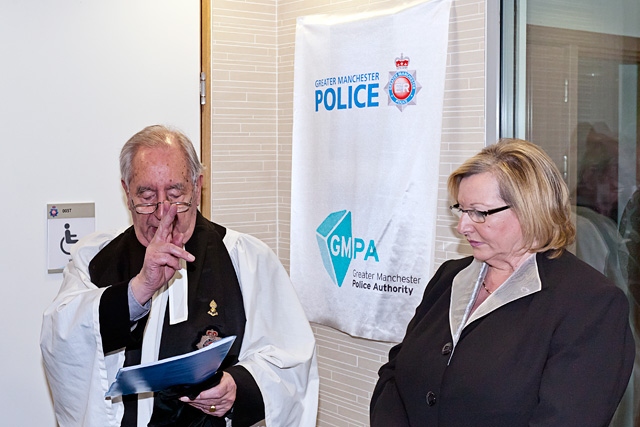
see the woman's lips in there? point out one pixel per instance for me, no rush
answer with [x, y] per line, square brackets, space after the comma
[474, 243]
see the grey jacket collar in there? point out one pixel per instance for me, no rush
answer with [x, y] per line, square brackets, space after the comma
[467, 283]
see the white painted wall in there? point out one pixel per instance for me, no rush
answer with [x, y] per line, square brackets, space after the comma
[77, 79]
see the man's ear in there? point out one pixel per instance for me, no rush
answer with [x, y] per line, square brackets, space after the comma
[124, 186]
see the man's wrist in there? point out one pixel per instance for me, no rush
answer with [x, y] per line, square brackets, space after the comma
[136, 310]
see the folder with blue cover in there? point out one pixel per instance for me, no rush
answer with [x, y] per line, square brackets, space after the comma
[186, 369]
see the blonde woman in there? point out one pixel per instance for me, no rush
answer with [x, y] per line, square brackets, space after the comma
[520, 334]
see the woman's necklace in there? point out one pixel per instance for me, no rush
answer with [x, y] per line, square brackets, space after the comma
[485, 288]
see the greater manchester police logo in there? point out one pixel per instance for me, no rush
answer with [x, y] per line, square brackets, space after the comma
[403, 86]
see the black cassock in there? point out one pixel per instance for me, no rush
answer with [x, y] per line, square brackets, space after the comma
[212, 280]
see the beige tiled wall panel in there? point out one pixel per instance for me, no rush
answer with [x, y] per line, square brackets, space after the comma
[252, 60]
[244, 117]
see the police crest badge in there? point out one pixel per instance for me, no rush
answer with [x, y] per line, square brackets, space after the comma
[403, 86]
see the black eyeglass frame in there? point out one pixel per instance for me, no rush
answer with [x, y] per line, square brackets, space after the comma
[483, 214]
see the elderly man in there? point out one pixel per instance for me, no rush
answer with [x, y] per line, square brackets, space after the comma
[161, 288]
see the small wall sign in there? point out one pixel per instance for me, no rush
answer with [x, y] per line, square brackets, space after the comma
[66, 224]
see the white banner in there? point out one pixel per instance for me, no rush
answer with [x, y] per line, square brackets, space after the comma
[368, 95]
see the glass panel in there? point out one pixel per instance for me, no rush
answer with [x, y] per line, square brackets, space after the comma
[576, 93]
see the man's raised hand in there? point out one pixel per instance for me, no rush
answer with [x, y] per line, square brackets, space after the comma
[161, 259]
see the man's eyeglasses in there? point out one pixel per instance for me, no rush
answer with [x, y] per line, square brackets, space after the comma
[475, 215]
[149, 208]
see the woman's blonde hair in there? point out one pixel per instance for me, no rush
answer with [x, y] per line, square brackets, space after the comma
[532, 185]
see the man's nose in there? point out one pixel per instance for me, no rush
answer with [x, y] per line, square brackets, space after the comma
[162, 209]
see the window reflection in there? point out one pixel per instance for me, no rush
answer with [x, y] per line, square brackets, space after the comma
[576, 94]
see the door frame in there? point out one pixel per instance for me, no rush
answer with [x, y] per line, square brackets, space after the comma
[205, 105]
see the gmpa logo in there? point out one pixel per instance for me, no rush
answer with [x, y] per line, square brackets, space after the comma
[338, 246]
[402, 87]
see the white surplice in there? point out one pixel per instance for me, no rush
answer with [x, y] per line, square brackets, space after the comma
[278, 348]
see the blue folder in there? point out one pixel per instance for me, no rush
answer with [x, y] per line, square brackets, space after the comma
[186, 369]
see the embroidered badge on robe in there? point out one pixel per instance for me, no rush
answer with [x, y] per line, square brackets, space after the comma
[209, 337]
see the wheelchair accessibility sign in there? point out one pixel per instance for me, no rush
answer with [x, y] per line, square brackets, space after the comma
[66, 224]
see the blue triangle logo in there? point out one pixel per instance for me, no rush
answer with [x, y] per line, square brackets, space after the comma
[335, 240]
